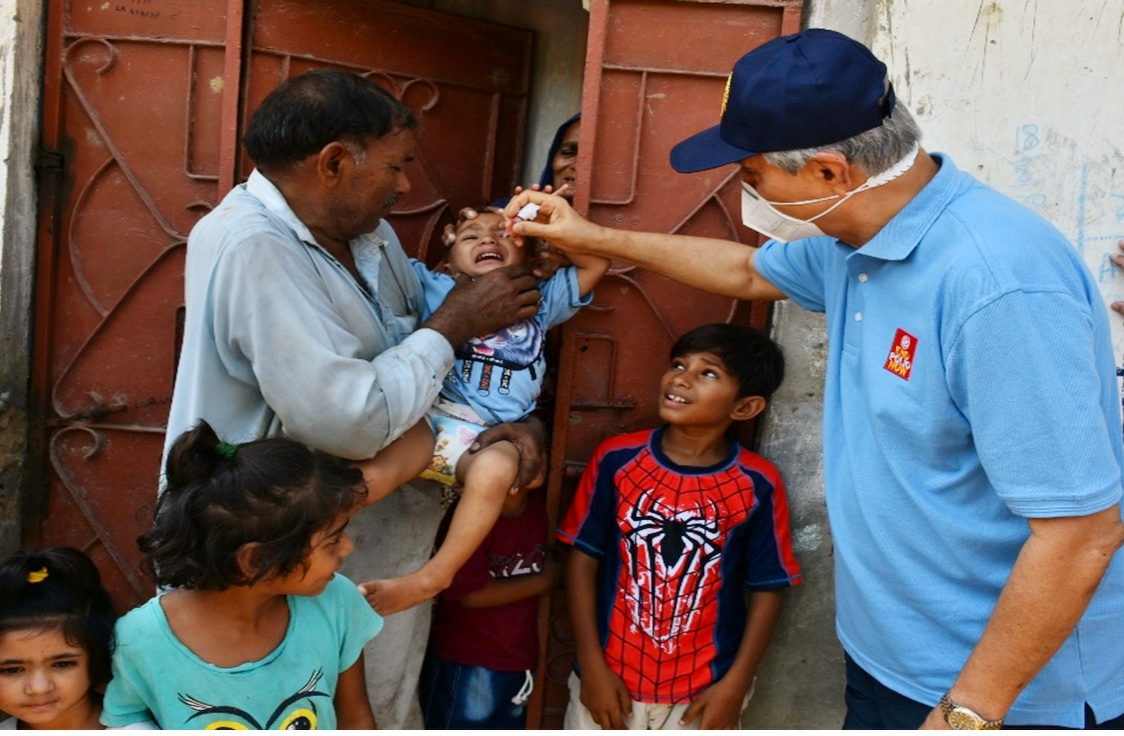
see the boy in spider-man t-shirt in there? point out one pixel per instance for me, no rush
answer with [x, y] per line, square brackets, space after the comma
[670, 529]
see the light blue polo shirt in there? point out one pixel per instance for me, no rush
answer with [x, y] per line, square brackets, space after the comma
[970, 384]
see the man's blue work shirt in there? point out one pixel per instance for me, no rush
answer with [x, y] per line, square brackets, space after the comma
[281, 339]
[970, 384]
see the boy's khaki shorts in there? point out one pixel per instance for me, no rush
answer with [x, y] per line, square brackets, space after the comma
[645, 716]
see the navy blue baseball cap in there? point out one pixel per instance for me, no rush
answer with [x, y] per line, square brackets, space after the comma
[805, 90]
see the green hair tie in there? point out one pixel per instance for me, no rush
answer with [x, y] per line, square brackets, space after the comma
[226, 450]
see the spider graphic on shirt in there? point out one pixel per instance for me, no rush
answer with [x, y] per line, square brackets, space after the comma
[672, 554]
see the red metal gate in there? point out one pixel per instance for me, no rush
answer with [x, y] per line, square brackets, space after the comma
[655, 73]
[145, 101]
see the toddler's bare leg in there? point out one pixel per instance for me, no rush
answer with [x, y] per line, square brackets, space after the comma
[398, 462]
[487, 476]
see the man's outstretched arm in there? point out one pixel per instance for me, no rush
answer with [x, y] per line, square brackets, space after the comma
[717, 266]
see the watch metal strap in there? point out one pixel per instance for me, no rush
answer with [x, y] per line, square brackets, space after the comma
[962, 718]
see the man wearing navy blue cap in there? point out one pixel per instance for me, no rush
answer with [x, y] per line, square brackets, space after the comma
[972, 456]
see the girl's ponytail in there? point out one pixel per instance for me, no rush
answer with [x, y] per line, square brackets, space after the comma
[196, 455]
[273, 493]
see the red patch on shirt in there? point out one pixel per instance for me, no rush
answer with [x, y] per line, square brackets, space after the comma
[900, 360]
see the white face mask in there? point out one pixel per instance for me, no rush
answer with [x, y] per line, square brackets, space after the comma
[759, 214]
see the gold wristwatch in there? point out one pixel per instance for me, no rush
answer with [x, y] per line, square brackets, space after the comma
[966, 719]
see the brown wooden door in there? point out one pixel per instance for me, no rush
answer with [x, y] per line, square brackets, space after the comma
[655, 73]
[145, 101]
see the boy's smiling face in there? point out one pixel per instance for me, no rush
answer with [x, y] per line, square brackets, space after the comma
[481, 246]
[698, 390]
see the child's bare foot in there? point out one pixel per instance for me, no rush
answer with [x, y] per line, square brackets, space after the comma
[398, 594]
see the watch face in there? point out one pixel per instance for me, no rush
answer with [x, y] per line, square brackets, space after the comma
[963, 719]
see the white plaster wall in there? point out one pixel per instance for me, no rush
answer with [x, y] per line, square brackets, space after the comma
[1026, 95]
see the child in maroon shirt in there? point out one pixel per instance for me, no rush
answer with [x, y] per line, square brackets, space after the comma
[484, 640]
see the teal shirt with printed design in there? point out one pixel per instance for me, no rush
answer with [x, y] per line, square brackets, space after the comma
[157, 678]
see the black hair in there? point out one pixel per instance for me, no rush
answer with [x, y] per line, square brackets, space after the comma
[750, 356]
[275, 493]
[547, 175]
[59, 588]
[308, 112]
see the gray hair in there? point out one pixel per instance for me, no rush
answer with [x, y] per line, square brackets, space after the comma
[875, 150]
[358, 152]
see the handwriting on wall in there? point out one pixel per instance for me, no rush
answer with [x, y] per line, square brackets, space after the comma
[139, 8]
[1083, 198]
[1082, 195]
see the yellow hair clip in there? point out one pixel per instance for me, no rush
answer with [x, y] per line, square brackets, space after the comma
[37, 576]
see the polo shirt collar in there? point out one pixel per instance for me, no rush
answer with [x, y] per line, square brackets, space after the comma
[902, 234]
